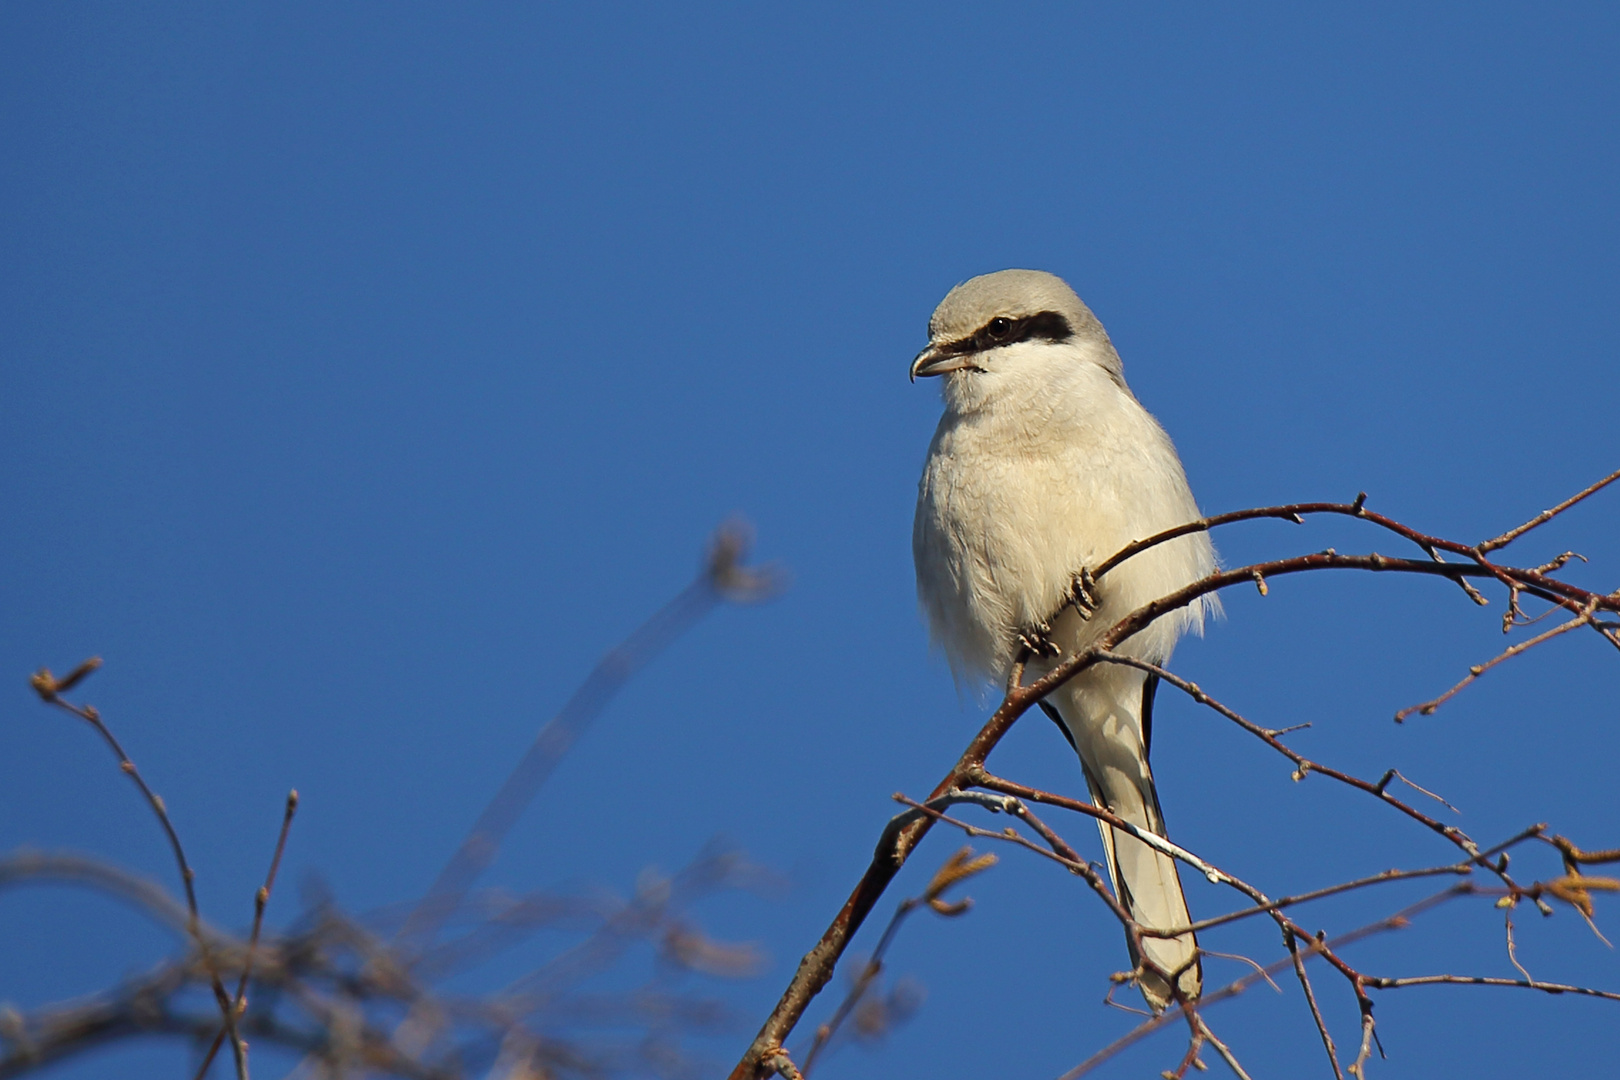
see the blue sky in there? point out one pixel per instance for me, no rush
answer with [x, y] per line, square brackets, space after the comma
[368, 371]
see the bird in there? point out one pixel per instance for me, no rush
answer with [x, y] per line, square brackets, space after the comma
[1043, 466]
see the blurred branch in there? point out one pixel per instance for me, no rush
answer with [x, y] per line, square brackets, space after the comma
[724, 577]
[39, 868]
[956, 869]
[261, 900]
[50, 689]
[367, 995]
[333, 989]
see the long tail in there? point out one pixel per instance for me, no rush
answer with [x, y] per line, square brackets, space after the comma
[1108, 719]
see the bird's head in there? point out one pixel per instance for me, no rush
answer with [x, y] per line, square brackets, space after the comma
[1012, 327]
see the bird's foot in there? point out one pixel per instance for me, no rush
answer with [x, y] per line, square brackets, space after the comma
[1083, 594]
[1038, 640]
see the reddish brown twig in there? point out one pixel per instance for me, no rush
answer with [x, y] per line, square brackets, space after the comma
[1427, 708]
[1292, 943]
[1057, 849]
[1062, 853]
[1398, 921]
[1546, 515]
[1378, 983]
[1305, 766]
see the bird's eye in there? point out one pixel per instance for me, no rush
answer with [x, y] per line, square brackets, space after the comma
[998, 327]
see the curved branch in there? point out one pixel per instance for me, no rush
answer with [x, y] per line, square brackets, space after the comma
[50, 689]
[48, 868]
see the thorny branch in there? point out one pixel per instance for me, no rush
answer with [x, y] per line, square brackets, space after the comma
[1473, 564]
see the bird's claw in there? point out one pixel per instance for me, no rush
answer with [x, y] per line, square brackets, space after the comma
[1083, 594]
[1038, 640]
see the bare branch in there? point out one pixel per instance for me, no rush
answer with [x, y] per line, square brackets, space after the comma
[50, 688]
[29, 867]
[1484, 980]
[1427, 708]
[1310, 999]
[1222, 1049]
[958, 868]
[900, 838]
[1398, 921]
[333, 990]
[1546, 515]
[724, 577]
[261, 900]
[1305, 766]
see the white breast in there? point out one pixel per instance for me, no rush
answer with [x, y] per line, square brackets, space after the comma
[1032, 476]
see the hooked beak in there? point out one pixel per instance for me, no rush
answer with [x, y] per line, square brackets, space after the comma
[932, 361]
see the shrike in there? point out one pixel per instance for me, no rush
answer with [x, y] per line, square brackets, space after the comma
[1044, 465]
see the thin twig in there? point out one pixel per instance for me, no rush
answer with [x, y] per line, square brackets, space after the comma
[1310, 999]
[1396, 774]
[1546, 515]
[32, 867]
[261, 900]
[959, 867]
[1057, 849]
[1222, 1049]
[1427, 708]
[1397, 921]
[1512, 946]
[1305, 766]
[50, 688]
[1484, 980]
[1382, 878]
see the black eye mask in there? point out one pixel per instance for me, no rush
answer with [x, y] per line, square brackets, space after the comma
[1002, 330]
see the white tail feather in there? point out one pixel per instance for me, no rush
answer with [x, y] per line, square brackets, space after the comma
[1103, 716]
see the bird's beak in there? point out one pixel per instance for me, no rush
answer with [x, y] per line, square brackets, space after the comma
[933, 362]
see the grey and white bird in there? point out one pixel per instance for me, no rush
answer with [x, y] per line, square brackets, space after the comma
[1044, 465]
